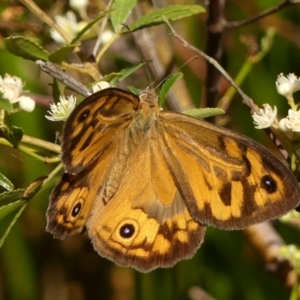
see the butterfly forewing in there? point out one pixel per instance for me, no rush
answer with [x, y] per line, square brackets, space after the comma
[94, 125]
[227, 180]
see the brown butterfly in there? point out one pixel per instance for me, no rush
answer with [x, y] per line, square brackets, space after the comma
[145, 183]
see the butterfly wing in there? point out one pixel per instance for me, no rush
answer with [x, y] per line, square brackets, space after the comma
[226, 179]
[92, 137]
[94, 125]
[72, 198]
[145, 224]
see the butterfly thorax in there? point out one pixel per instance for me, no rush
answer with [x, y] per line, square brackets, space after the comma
[147, 112]
[131, 140]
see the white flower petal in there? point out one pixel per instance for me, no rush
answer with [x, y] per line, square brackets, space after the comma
[291, 122]
[11, 87]
[69, 24]
[99, 86]
[26, 103]
[288, 85]
[63, 108]
[284, 124]
[78, 4]
[265, 117]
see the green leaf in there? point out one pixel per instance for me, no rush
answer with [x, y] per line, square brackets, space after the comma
[122, 9]
[25, 48]
[172, 13]
[204, 112]
[12, 205]
[13, 134]
[6, 183]
[8, 217]
[167, 86]
[60, 54]
[126, 72]
[89, 25]
[110, 77]
[16, 135]
[5, 104]
[134, 90]
[7, 198]
[58, 89]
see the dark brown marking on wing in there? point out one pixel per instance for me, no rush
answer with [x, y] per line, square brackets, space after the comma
[269, 184]
[248, 167]
[220, 173]
[225, 193]
[248, 205]
[222, 143]
[208, 184]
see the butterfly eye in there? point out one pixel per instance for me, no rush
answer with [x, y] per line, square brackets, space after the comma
[268, 184]
[84, 115]
[76, 209]
[127, 231]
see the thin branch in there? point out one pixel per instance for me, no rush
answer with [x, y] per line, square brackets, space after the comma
[45, 18]
[283, 4]
[61, 76]
[246, 99]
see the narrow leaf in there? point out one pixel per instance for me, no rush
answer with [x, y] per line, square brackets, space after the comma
[122, 9]
[7, 198]
[60, 54]
[167, 86]
[126, 72]
[25, 48]
[204, 112]
[6, 183]
[89, 25]
[8, 217]
[172, 13]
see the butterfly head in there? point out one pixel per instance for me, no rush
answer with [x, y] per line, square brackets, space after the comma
[149, 96]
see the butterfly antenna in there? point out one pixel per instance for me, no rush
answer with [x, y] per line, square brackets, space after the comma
[194, 57]
[140, 53]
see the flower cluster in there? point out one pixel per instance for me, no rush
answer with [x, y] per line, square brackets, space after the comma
[69, 24]
[267, 117]
[64, 107]
[11, 88]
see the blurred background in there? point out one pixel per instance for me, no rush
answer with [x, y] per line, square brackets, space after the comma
[33, 265]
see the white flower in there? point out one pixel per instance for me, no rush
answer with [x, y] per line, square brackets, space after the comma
[106, 36]
[79, 4]
[26, 103]
[63, 108]
[265, 117]
[286, 86]
[69, 24]
[99, 86]
[291, 122]
[11, 87]
[284, 124]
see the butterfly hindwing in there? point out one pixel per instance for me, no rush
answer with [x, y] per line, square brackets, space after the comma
[145, 224]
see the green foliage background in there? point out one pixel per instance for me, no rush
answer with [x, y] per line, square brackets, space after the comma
[35, 266]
